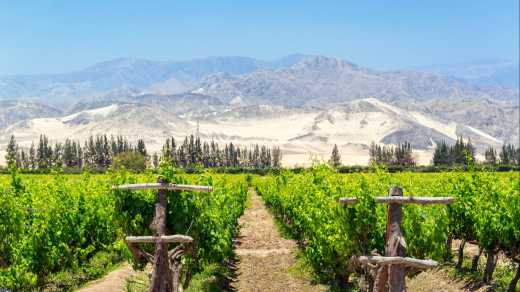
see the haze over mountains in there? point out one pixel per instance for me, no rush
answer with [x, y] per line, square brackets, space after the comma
[303, 103]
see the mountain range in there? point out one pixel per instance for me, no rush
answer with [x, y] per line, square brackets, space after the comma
[303, 103]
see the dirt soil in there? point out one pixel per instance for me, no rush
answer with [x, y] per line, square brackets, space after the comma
[438, 280]
[265, 258]
[113, 281]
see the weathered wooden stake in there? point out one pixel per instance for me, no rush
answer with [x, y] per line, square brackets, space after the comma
[392, 277]
[395, 244]
[162, 279]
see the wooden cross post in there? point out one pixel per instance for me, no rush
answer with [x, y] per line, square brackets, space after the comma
[391, 270]
[165, 274]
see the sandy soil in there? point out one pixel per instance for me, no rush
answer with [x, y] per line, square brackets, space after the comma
[114, 281]
[264, 256]
[439, 280]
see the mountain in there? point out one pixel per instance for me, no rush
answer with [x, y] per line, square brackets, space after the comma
[352, 126]
[177, 103]
[134, 121]
[319, 80]
[292, 80]
[496, 73]
[497, 118]
[304, 103]
[12, 111]
[128, 75]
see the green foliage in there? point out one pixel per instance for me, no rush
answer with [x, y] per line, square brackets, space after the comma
[484, 210]
[211, 219]
[130, 160]
[335, 157]
[61, 229]
[401, 155]
[51, 225]
[193, 152]
[454, 154]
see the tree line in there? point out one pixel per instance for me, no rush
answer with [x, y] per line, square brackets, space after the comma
[95, 152]
[100, 152]
[462, 152]
[459, 153]
[193, 152]
[400, 155]
[509, 155]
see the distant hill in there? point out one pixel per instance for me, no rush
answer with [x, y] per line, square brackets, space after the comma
[303, 103]
[502, 73]
[129, 75]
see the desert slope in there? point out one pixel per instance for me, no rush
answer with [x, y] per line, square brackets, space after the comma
[303, 133]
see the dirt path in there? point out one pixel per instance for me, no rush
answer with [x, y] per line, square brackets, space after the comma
[265, 258]
[113, 281]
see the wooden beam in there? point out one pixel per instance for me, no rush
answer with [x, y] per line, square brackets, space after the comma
[415, 200]
[163, 238]
[403, 200]
[163, 186]
[404, 261]
[347, 201]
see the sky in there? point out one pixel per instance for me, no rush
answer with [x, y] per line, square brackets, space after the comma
[46, 36]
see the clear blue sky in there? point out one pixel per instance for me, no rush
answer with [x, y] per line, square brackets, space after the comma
[59, 36]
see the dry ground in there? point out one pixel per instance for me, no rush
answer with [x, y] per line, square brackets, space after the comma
[113, 281]
[438, 280]
[265, 258]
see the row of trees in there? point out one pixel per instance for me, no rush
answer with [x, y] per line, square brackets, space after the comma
[102, 151]
[193, 152]
[463, 151]
[459, 153]
[401, 155]
[508, 155]
[97, 151]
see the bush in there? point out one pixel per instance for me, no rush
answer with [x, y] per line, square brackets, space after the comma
[131, 160]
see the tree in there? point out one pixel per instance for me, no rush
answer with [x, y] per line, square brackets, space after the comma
[441, 155]
[131, 160]
[12, 152]
[335, 157]
[459, 153]
[32, 157]
[277, 157]
[510, 155]
[141, 147]
[403, 155]
[491, 156]
[155, 160]
[43, 153]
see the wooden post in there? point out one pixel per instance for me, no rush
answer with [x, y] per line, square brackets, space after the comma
[392, 277]
[395, 245]
[162, 275]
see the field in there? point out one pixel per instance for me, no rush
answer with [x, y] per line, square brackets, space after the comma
[59, 231]
[486, 211]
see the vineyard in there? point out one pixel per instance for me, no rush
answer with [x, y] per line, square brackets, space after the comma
[59, 231]
[486, 211]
